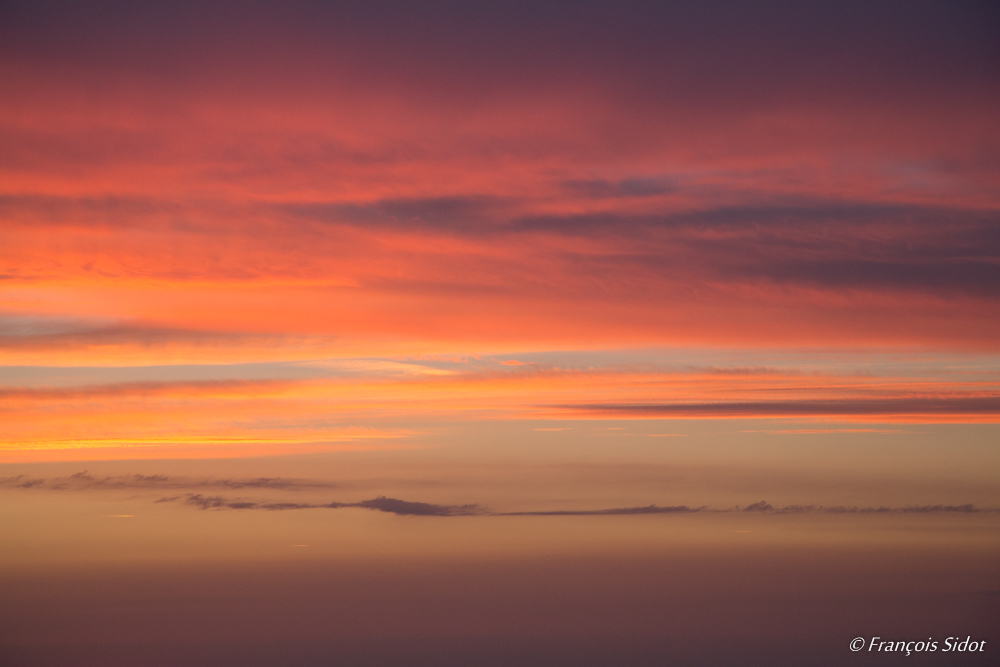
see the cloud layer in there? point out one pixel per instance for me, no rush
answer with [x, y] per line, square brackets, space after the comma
[369, 184]
[453, 179]
[83, 481]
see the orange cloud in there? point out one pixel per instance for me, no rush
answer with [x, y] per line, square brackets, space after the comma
[376, 409]
[358, 195]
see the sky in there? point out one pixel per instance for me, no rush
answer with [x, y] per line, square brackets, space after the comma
[623, 297]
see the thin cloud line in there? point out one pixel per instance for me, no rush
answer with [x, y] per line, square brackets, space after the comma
[83, 481]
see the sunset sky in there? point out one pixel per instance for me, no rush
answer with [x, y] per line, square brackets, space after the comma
[513, 263]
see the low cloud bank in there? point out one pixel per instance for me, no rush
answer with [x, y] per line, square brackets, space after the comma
[381, 504]
[84, 481]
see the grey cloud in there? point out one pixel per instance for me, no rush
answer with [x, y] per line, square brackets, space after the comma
[76, 211]
[977, 276]
[218, 502]
[648, 509]
[404, 507]
[629, 187]
[21, 482]
[819, 244]
[381, 504]
[16, 326]
[814, 242]
[17, 334]
[83, 480]
[763, 506]
[758, 507]
[408, 508]
[959, 405]
[462, 215]
[941, 508]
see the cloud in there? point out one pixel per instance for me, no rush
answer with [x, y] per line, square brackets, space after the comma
[460, 215]
[918, 406]
[765, 507]
[648, 509]
[83, 481]
[408, 508]
[125, 389]
[537, 258]
[759, 507]
[865, 245]
[827, 431]
[404, 507]
[22, 482]
[381, 504]
[22, 333]
[218, 502]
[534, 165]
[968, 507]
[629, 187]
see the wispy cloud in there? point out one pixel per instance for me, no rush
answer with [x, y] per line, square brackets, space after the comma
[83, 481]
[648, 509]
[372, 402]
[765, 507]
[528, 183]
[826, 431]
[987, 407]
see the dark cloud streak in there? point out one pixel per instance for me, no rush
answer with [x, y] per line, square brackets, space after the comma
[381, 504]
[858, 245]
[960, 405]
[648, 509]
[84, 481]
